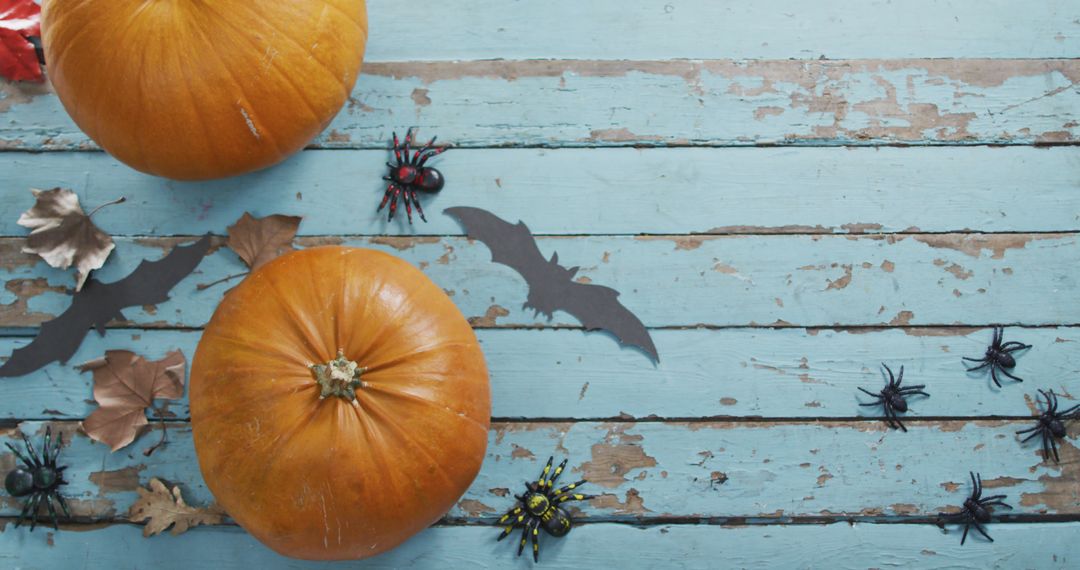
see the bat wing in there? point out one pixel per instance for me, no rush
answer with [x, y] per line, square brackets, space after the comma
[151, 281]
[512, 245]
[598, 307]
[57, 340]
[98, 303]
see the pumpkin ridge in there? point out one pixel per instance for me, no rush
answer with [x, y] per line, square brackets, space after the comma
[263, 351]
[433, 405]
[312, 339]
[211, 141]
[393, 427]
[300, 45]
[250, 117]
[286, 76]
[393, 361]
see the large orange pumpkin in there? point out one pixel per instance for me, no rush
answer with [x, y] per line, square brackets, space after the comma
[194, 89]
[339, 402]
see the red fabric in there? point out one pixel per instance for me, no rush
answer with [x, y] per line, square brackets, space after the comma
[19, 19]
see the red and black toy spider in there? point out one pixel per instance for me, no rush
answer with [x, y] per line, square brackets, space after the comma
[410, 175]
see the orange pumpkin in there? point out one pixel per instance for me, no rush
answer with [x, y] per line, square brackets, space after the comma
[195, 90]
[339, 403]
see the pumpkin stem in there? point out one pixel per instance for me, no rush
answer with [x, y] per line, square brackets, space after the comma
[339, 377]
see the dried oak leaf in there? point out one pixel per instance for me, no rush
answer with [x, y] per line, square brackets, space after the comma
[162, 508]
[259, 240]
[63, 235]
[19, 19]
[125, 384]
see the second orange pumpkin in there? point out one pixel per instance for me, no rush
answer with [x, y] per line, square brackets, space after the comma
[339, 403]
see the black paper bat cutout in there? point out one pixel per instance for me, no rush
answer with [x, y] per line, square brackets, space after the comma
[98, 303]
[552, 286]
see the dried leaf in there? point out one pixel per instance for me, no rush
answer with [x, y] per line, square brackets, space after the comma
[19, 19]
[259, 240]
[161, 508]
[125, 384]
[63, 235]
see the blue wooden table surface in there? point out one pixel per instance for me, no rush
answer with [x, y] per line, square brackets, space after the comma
[787, 193]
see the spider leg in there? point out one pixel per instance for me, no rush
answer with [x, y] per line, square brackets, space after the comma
[1006, 372]
[572, 497]
[1045, 445]
[987, 500]
[52, 514]
[536, 540]
[869, 393]
[510, 527]
[542, 481]
[63, 505]
[393, 203]
[386, 196]
[408, 141]
[569, 487]
[900, 377]
[963, 538]
[919, 392]
[981, 530]
[34, 510]
[976, 485]
[524, 536]
[397, 151]
[984, 364]
[416, 202]
[892, 380]
[993, 375]
[47, 448]
[558, 471]
[1014, 346]
[408, 204]
[1053, 447]
[26, 510]
[1037, 432]
[897, 420]
[426, 148]
[31, 451]
[19, 454]
[56, 450]
[432, 154]
[1069, 411]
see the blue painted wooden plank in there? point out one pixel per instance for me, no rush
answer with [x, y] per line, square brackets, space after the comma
[773, 373]
[627, 103]
[680, 29]
[669, 280]
[840, 546]
[705, 469]
[597, 191]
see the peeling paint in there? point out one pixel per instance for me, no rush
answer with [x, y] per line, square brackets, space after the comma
[474, 508]
[420, 97]
[632, 505]
[489, 319]
[973, 244]
[403, 243]
[117, 481]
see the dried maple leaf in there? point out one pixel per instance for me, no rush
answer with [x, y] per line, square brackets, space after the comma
[162, 508]
[63, 235]
[19, 19]
[259, 240]
[125, 384]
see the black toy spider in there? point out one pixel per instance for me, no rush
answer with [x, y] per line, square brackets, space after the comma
[976, 510]
[998, 357]
[540, 507]
[892, 397]
[41, 479]
[410, 175]
[1051, 424]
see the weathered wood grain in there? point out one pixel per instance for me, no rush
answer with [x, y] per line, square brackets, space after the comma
[782, 29]
[964, 279]
[840, 546]
[770, 373]
[627, 103]
[598, 191]
[681, 470]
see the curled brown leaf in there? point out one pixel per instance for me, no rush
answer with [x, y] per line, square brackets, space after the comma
[125, 384]
[63, 235]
